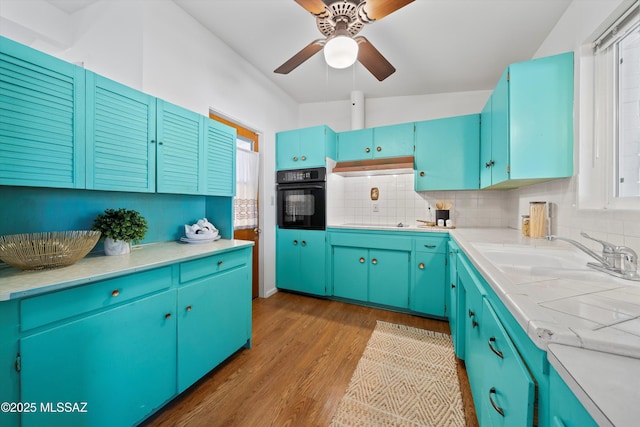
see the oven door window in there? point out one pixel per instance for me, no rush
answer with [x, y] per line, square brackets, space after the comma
[301, 208]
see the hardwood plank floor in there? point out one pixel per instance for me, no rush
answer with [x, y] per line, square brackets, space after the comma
[304, 353]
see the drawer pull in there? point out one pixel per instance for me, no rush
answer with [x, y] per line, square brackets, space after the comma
[374, 261]
[471, 313]
[219, 263]
[421, 266]
[497, 352]
[303, 158]
[115, 293]
[496, 407]
[361, 260]
[188, 308]
[304, 243]
[167, 316]
[430, 246]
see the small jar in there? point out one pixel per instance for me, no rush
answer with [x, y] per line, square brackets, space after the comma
[525, 225]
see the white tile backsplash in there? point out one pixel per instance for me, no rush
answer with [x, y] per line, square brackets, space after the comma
[350, 202]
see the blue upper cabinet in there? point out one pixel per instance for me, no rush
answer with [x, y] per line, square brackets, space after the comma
[180, 150]
[531, 136]
[41, 119]
[121, 133]
[379, 142]
[447, 153]
[305, 148]
[220, 159]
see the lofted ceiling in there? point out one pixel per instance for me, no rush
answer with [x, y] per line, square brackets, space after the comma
[436, 46]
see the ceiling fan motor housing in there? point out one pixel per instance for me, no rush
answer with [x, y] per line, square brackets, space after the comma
[342, 11]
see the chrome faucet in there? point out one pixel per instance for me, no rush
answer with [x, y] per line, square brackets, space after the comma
[618, 261]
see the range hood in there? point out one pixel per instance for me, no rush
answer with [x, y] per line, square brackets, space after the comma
[386, 166]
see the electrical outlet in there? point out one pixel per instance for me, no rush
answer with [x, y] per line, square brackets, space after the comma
[375, 207]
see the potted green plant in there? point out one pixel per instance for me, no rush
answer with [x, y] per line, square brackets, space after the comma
[119, 228]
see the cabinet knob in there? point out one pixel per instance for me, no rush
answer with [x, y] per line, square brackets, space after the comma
[295, 242]
[115, 293]
[303, 243]
[361, 260]
[374, 261]
[367, 150]
[295, 159]
[303, 158]
[453, 286]
[496, 352]
[471, 313]
[167, 316]
[378, 148]
[188, 308]
[153, 141]
[160, 143]
[489, 164]
[421, 266]
[421, 173]
[219, 263]
[496, 407]
[474, 324]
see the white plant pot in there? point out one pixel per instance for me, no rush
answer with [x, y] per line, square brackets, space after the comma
[116, 247]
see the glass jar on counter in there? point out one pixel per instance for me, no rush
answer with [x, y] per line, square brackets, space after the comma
[525, 225]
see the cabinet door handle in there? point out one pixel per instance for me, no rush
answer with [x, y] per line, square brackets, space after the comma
[167, 316]
[421, 173]
[430, 246]
[361, 260]
[295, 159]
[474, 324]
[188, 308]
[295, 242]
[160, 143]
[378, 148]
[153, 141]
[115, 293]
[374, 261]
[421, 266]
[497, 352]
[453, 286]
[304, 243]
[489, 164]
[471, 313]
[367, 150]
[496, 407]
[219, 263]
[303, 158]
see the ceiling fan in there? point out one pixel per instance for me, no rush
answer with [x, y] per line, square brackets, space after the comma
[339, 21]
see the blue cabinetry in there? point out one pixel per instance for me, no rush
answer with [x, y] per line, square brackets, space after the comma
[305, 148]
[41, 119]
[447, 153]
[429, 281]
[527, 134]
[300, 260]
[220, 159]
[565, 408]
[379, 142]
[456, 298]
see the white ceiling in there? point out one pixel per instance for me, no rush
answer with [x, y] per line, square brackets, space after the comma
[436, 46]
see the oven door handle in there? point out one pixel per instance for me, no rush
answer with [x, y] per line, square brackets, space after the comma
[284, 187]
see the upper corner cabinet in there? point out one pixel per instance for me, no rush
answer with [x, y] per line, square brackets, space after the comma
[41, 119]
[526, 129]
[305, 148]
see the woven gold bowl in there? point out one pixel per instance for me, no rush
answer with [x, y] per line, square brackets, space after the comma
[39, 251]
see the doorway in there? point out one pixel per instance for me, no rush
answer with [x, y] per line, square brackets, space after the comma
[246, 208]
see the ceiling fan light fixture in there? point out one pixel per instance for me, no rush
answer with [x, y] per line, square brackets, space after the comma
[341, 51]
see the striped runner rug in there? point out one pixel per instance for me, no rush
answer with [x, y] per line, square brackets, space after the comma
[406, 377]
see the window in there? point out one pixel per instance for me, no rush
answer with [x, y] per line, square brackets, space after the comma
[610, 164]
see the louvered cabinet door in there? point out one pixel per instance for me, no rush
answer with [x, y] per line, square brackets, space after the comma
[179, 155]
[220, 159]
[120, 137]
[41, 112]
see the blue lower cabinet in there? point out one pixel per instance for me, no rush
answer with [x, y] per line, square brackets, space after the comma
[428, 295]
[114, 368]
[350, 273]
[300, 261]
[389, 277]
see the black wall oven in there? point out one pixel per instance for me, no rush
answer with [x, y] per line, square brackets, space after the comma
[301, 198]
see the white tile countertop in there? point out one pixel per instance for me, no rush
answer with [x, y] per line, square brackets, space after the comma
[586, 320]
[15, 283]
[392, 227]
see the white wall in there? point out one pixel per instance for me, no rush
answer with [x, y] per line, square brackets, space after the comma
[155, 47]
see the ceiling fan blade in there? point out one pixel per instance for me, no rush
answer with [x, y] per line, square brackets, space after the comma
[307, 52]
[378, 9]
[373, 60]
[315, 7]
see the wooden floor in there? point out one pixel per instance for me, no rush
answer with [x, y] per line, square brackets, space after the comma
[304, 353]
